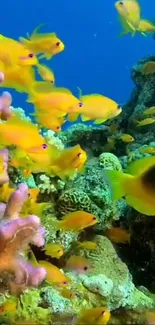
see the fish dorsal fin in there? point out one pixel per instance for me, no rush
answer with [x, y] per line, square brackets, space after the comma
[80, 92]
[139, 166]
[35, 31]
[62, 90]
[44, 86]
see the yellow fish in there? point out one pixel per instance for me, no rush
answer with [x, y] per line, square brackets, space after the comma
[137, 185]
[46, 73]
[5, 192]
[126, 138]
[13, 53]
[129, 13]
[148, 68]
[49, 121]
[59, 101]
[54, 274]
[19, 78]
[147, 150]
[87, 245]
[77, 221]
[68, 161]
[150, 111]
[97, 316]
[47, 43]
[54, 250]
[67, 293]
[146, 121]
[29, 139]
[145, 26]
[105, 108]
[9, 306]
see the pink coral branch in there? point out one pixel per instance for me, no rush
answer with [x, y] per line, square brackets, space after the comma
[15, 235]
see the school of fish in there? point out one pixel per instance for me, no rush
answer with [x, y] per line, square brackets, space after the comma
[21, 69]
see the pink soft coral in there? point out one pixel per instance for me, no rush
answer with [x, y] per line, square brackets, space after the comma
[15, 235]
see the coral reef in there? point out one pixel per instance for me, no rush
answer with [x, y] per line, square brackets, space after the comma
[121, 277]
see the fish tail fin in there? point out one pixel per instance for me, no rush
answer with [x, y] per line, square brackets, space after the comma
[59, 224]
[116, 181]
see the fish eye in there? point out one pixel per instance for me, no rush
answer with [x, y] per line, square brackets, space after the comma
[64, 282]
[44, 145]
[57, 44]
[58, 128]
[119, 107]
[85, 268]
[59, 251]
[28, 194]
[103, 312]
[31, 55]
[121, 3]
[52, 81]
[80, 104]
[94, 218]
[79, 154]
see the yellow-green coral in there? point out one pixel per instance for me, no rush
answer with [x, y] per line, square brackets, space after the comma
[109, 161]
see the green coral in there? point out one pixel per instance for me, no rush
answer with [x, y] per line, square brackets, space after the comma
[28, 309]
[73, 200]
[109, 161]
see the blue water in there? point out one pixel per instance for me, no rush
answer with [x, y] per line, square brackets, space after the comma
[95, 59]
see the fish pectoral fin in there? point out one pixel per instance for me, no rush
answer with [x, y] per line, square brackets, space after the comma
[72, 117]
[143, 34]
[100, 121]
[141, 206]
[85, 118]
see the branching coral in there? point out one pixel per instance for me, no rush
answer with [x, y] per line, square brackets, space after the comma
[15, 235]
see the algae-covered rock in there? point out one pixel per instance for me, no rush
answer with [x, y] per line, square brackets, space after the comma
[110, 278]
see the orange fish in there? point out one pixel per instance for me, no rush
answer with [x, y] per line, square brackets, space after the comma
[57, 101]
[94, 316]
[29, 138]
[78, 263]
[77, 221]
[118, 235]
[49, 121]
[54, 275]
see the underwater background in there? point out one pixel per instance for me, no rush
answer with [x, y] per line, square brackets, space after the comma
[77, 208]
[95, 58]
